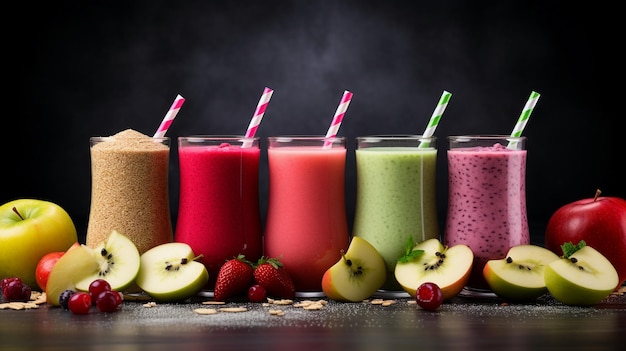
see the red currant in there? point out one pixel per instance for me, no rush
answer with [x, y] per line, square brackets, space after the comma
[108, 301]
[96, 287]
[79, 303]
[429, 296]
[257, 293]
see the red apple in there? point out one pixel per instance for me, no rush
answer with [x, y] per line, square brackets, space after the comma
[599, 221]
[45, 264]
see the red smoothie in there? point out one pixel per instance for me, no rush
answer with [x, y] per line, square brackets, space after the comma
[306, 222]
[486, 203]
[218, 213]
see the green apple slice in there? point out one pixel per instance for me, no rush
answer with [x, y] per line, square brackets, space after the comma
[118, 263]
[519, 276]
[583, 279]
[358, 274]
[448, 267]
[169, 272]
[76, 264]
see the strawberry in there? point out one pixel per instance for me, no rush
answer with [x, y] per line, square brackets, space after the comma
[271, 274]
[234, 278]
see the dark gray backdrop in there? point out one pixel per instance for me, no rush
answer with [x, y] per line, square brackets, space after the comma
[81, 69]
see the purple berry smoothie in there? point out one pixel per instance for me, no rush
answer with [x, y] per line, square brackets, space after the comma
[486, 203]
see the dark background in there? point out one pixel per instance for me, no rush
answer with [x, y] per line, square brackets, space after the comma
[80, 69]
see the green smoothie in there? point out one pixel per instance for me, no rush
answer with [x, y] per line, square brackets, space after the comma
[395, 199]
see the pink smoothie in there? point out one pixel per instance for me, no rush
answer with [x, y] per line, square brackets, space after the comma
[486, 203]
[306, 217]
[218, 214]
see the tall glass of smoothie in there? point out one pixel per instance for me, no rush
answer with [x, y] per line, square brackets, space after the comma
[306, 223]
[395, 195]
[486, 198]
[218, 213]
[129, 189]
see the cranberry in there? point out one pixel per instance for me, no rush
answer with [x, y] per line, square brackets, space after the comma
[5, 281]
[429, 296]
[96, 287]
[79, 303]
[16, 290]
[108, 301]
[257, 293]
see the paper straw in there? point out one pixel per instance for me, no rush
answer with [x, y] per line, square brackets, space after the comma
[338, 118]
[258, 115]
[436, 117]
[169, 117]
[523, 118]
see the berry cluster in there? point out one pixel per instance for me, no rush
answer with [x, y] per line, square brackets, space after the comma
[265, 278]
[100, 295]
[14, 289]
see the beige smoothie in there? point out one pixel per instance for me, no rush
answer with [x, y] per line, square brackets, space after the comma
[130, 189]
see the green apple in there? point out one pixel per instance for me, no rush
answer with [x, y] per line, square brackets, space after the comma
[29, 229]
[582, 278]
[118, 262]
[170, 272]
[358, 274]
[519, 276]
[76, 264]
[431, 261]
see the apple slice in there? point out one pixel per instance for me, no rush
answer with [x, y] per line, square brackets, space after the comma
[118, 263]
[169, 272]
[582, 278]
[430, 261]
[519, 276]
[76, 264]
[358, 274]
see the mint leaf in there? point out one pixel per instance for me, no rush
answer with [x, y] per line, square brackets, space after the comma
[410, 254]
[569, 248]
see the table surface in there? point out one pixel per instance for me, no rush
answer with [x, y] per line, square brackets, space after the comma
[465, 322]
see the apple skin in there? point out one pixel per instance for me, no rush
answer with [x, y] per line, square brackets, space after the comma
[599, 221]
[44, 227]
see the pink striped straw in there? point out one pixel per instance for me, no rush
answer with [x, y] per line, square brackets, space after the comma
[338, 118]
[169, 117]
[259, 112]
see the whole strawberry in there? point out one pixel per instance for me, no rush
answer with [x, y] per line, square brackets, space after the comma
[270, 274]
[233, 279]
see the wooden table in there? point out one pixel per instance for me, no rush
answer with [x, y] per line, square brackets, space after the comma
[464, 323]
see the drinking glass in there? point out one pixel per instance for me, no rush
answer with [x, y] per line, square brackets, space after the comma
[486, 198]
[306, 223]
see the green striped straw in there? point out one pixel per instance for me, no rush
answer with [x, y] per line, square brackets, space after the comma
[436, 117]
[523, 118]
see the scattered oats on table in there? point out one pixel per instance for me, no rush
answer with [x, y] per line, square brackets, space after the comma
[205, 311]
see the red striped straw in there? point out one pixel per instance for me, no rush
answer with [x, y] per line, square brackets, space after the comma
[338, 118]
[258, 115]
[169, 117]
